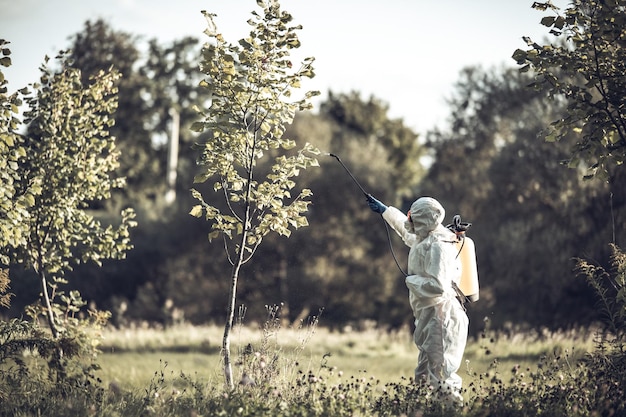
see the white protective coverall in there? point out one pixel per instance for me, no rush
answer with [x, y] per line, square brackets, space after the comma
[441, 324]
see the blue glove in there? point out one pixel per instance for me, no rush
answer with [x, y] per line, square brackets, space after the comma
[375, 205]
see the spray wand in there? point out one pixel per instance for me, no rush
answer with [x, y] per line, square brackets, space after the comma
[368, 195]
[349, 173]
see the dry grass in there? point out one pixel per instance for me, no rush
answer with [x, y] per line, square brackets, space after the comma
[131, 357]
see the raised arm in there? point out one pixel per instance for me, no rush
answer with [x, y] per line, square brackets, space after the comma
[396, 220]
[394, 217]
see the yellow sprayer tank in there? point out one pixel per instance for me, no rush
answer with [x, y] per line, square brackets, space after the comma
[469, 269]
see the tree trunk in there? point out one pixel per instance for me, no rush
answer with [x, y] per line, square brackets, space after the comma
[230, 315]
[283, 286]
[48, 305]
[172, 157]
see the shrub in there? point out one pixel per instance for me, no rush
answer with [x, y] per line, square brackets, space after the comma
[44, 375]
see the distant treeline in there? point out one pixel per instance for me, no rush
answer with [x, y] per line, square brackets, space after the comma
[532, 216]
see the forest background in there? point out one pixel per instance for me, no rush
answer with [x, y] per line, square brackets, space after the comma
[532, 216]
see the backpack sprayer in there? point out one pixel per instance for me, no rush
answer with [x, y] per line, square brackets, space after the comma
[468, 285]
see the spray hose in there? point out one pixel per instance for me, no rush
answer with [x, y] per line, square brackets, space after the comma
[459, 228]
[381, 217]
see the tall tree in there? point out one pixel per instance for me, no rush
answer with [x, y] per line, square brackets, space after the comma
[483, 109]
[586, 68]
[251, 85]
[151, 87]
[98, 48]
[69, 153]
[369, 118]
[172, 79]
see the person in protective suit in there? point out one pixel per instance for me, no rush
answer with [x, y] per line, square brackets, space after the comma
[441, 324]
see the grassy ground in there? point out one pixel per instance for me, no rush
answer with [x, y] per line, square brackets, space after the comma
[131, 358]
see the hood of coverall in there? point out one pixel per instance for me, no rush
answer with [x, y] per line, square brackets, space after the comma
[426, 214]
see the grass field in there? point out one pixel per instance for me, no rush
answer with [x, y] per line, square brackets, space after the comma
[132, 358]
[310, 371]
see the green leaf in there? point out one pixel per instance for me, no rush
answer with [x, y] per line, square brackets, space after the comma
[548, 20]
[519, 56]
[72, 120]
[552, 137]
[201, 178]
[196, 211]
[560, 22]
[197, 127]
[213, 235]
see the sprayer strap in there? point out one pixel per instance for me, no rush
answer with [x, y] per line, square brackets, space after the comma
[462, 238]
[463, 299]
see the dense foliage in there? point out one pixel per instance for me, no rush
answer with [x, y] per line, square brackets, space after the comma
[13, 206]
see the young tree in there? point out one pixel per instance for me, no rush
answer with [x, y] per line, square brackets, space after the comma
[587, 67]
[251, 85]
[69, 154]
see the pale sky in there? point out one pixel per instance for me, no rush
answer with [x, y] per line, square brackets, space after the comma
[407, 53]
